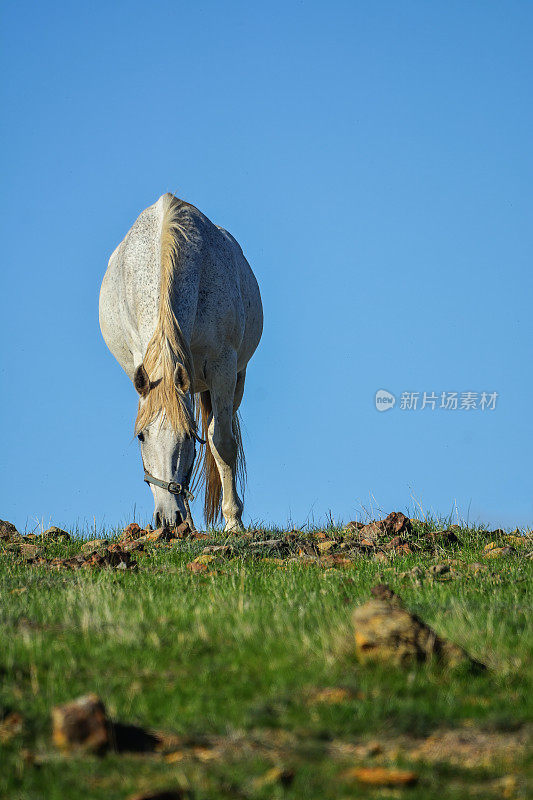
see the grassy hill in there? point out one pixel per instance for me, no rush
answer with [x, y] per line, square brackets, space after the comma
[233, 672]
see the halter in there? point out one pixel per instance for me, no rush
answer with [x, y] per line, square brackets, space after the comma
[170, 486]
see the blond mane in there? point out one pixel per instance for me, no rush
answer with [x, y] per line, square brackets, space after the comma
[168, 347]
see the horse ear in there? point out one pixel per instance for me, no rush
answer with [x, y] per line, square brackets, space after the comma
[141, 381]
[181, 379]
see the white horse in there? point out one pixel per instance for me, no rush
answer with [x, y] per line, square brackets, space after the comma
[181, 312]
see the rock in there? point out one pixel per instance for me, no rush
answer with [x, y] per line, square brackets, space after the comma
[267, 543]
[128, 545]
[273, 775]
[366, 542]
[218, 549]
[518, 540]
[30, 551]
[439, 569]
[396, 523]
[113, 556]
[381, 591]
[132, 531]
[381, 776]
[8, 532]
[374, 748]
[56, 534]
[81, 725]
[75, 562]
[442, 538]
[331, 695]
[197, 567]
[159, 535]
[476, 567]
[354, 526]
[11, 547]
[301, 558]
[416, 574]
[120, 559]
[441, 572]
[497, 552]
[385, 631]
[168, 794]
[403, 549]
[93, 545]
[270, 547]
[183, 529]
[370, 533]
[205, 558]
[396, 541]
[11, 726]
[335, 560]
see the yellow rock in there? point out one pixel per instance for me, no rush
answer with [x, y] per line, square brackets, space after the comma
[204, 559]
[272, 776]
[332, 695]
[496, 552]
[81, 724]
[380, 776]
[515, 539]
[385, 631]
[173, 758]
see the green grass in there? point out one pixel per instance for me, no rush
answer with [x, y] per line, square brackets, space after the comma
[235, 658]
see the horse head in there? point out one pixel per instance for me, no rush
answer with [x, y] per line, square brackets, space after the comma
[168, 449]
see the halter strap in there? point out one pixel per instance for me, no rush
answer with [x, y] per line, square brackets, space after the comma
[170, 486]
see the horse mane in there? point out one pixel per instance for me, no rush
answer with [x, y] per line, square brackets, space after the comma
[168, 346]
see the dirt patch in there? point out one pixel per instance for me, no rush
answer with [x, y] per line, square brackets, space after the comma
[471, 748]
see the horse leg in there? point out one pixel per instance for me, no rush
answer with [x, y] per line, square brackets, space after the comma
[188, 517]
[224, 384]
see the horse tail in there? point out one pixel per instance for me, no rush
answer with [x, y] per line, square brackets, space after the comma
[240, 468]
[207, 470]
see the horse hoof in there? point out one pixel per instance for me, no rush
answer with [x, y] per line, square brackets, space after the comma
[233, 526]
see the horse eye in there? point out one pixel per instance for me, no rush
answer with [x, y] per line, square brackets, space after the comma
[140, 437]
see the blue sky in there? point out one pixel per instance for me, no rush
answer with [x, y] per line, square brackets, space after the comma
[374, 161]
